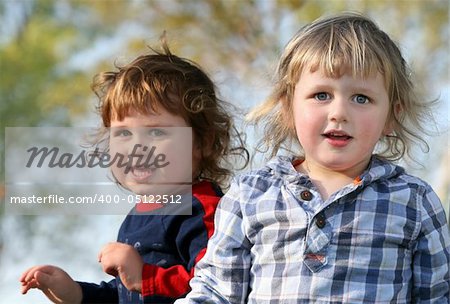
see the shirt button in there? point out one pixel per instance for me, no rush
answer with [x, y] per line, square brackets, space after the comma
[306, 195]
[320, 220]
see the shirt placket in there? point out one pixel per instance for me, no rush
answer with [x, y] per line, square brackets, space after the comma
[318, 235]
[320, 230]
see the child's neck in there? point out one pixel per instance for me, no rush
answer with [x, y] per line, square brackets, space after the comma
[326, 180]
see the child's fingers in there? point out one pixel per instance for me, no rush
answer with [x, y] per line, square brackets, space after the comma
[42, 279]
[25, 274]
[25, 289]
[38, 280]
[111, 271]
[108, 266]
[28, 275]
[106, 258]
[28, 286]
[104, 251]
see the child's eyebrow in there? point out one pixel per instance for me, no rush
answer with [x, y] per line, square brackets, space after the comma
[365, 90]
[156, 125]
[320, 87]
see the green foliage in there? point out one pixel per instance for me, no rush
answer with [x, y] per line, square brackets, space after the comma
[38, 87]
[33, 84]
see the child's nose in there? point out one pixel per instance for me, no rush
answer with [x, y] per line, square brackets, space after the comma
[138, 145]
[338, 110]
[142, 137]
[137, 148]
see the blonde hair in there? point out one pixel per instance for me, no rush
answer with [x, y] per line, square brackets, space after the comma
[162, 79]
[332, 44]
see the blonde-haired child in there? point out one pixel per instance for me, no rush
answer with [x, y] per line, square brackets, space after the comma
[338, 222]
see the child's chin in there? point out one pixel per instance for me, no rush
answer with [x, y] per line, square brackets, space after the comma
[142, 189]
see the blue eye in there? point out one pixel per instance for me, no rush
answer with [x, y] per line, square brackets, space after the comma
[361, 99]
[122, 133]
[322, 96]
[157, 132]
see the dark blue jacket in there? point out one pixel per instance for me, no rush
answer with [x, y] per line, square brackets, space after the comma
[170, 246]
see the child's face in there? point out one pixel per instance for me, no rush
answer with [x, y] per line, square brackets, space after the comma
[339, 120]
[158, 151]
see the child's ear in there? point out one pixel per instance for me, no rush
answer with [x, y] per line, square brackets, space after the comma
[393, 117]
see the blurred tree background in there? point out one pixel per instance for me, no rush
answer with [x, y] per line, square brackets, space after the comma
[50, 50]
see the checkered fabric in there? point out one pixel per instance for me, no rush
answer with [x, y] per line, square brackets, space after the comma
[383, 238]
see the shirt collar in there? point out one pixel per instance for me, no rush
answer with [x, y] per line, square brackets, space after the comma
[378, 169]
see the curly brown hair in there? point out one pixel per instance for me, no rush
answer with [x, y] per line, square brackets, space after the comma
[180, 86]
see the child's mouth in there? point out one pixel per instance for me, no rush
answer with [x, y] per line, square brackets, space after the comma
[141, 173]
[337, 138]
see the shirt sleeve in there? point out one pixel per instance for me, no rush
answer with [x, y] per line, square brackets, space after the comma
[431, 260]
[164, 285]
[222, 276]
[105, 292]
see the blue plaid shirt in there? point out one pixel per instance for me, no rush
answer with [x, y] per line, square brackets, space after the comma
[382, 239]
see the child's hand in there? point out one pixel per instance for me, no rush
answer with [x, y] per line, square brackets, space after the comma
[123, 260]
[54, 282]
